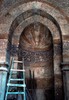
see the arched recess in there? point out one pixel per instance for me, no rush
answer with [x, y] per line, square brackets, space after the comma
[36, 47]
[37, 8]
[50, 22]
[57, 58]
[57, 42]
[56, 32]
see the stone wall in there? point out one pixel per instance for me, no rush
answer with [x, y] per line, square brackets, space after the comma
[16, 15]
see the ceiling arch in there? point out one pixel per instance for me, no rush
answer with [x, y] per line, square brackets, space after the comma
[29, 13]
[37, 7]
[22, 19]
[37, 18]
[26, 10]
[42, 13]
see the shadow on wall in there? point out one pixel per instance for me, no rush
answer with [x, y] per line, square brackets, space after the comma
[49, 94]
[32, 85]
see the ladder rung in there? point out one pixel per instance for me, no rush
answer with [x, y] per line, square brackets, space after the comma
[18, 70]
[15, 93]
[17, 61]
[18, 85]
[17, 79]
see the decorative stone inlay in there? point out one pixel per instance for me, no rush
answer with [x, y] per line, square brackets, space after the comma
[36, 56]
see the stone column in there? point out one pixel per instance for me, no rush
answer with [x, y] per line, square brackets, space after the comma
[65, 70]
[3, 79]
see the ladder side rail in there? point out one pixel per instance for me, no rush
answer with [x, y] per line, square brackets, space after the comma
[9, 78]
[23, 71]
[12, 66]
[24, 81]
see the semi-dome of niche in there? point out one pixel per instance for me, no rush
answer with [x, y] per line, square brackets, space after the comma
[36, 36]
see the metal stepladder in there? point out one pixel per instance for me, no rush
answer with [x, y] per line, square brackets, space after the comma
[10, 79]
